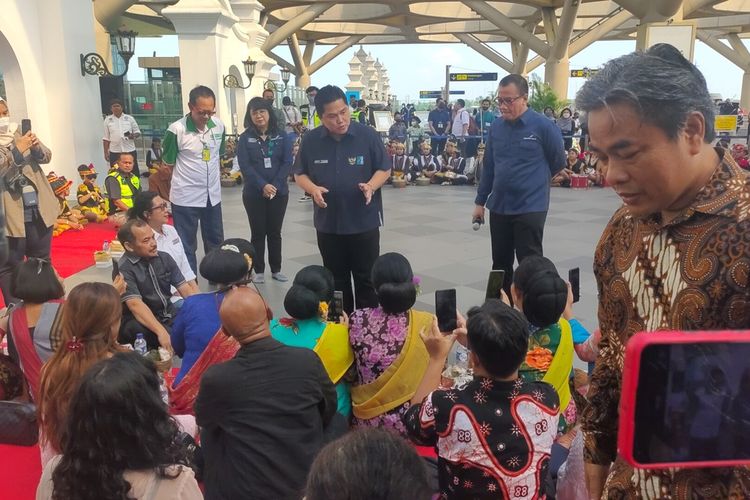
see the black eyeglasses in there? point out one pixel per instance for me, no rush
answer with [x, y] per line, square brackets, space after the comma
[205, 113]
[508, 100]
[163, 206]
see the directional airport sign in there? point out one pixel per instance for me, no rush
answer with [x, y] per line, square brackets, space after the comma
[583, 73]
[430, 94]
[473, 77]
[458, 92]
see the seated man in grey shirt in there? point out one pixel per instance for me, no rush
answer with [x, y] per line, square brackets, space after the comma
[148, 275]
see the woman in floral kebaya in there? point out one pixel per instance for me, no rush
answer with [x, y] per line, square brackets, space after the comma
[387, 347]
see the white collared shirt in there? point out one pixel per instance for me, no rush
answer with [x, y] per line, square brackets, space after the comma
[114, 132]
[168, 241]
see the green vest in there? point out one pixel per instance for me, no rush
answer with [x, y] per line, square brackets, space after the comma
[126, 193]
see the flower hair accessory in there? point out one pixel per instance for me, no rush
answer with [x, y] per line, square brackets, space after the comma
[74, 345]
[231, 248]
[323, 310]
[417, 284]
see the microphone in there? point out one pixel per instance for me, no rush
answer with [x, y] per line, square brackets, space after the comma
[476, 223]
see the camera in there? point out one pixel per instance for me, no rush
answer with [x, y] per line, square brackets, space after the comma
[15, 182]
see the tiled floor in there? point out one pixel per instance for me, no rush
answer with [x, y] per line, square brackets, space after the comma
[431, 226]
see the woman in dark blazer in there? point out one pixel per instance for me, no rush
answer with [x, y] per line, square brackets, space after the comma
[265, 162]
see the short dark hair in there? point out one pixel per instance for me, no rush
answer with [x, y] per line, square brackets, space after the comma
[544, 292]
[268, 90]
[660, 85]
[486, 100]
[499, 336]
[361, 102]
[327, 95]
[311, 88]
[286, 100]
[311, 286]
[224, 267]
[519, 81]
[258, 103]
[200, 91]
[114, 101]
[35, 282]
[125, 233]
[142, 203]
[461, 102]
[366, 461]
[393, 280]
[126, 153]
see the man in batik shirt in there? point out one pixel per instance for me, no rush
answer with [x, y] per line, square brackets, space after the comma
[493, 437]
[676, 256]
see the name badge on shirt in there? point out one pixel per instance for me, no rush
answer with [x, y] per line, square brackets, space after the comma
[267, 163]
[440, 124]
[206, 154]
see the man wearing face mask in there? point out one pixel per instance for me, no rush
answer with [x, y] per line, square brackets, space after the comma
[308, 109]
[439, 121]
[30, 204]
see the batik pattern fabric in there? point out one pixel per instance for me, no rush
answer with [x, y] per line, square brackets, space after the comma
[688, 274]
[543, 344]
[493, 438]
[377, 339]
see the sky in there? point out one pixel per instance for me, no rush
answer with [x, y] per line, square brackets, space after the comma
[415, 67]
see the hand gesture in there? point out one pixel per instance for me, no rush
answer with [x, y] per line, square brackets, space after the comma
[367, 190]
[461, 332]
[269, 191]
[24, 142]
[317, 196]
[34, 139]
[166, 342]
[344, 319]
[438, 344]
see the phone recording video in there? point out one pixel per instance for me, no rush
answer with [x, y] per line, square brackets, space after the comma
[115, 269]
[25, 126]
[495, 284]
[686, 400]
[574, 278]
[445, 310]
[336, 308]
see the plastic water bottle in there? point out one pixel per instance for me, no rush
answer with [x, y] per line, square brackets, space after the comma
[105, 246]
[140, 344]
[163, 389]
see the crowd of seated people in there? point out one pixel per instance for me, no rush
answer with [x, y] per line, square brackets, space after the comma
[281, 403]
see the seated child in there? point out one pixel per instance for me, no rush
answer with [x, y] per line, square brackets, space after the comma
[494, 436]
[572, 166]
[592, 170]
[546, 301]
[400, 163]
[68, 218]
[452, 166]
[92, 203]
[424, 164]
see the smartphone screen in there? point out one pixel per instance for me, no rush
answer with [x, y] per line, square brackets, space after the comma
[25, 126]
[115, 269]
[692, 403]
[445, 309]
[336, 308]
[495, 284]
[574, 278]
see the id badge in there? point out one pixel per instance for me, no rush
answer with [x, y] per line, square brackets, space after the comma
[206, 154]
[267, 163]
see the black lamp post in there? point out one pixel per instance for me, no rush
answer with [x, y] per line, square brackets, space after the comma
[285, 75]
[231, 81]
[93, 64]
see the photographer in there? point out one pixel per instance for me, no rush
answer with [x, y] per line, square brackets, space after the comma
[30, 205]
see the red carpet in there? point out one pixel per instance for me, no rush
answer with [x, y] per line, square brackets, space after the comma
[20, 470]
[73, 251]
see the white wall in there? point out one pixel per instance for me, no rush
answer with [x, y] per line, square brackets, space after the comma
[46, 37]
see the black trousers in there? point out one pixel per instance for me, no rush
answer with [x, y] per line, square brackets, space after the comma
[113, 157]
[350, 256]
[130, 327]
[37, 244]
[515, 236]
[266, 218]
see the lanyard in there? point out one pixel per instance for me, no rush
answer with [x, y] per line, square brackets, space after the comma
[266, 148]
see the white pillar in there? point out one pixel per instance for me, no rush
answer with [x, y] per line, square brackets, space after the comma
[745, 94]
[557, 74]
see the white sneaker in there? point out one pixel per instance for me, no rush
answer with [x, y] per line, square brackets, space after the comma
[305, 198]
[259, 279]
[279, 277]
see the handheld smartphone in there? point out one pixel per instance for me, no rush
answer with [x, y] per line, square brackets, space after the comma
[495, 284]
[574, 278]
[686, 400]
[445, 310]
[115, 269]
[336, 308]
[25, 126]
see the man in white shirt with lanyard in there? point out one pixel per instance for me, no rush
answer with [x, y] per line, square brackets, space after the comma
[192, 149]
[120, 133]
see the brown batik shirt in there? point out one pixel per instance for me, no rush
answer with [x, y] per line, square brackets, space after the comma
[690, 274]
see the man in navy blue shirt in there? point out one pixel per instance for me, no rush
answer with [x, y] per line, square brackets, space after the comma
[439, 121]
[342, 165]
[523, 151]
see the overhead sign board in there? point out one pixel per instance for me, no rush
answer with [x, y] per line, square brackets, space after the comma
[583, 73]
[473, 77]
[458, 92]
[430, 94]
[725, 123]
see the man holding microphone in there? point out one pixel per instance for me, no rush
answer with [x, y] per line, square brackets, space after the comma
[343, 164]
